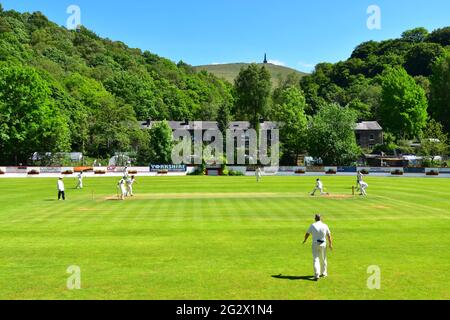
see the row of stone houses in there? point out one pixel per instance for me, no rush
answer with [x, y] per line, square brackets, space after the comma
[368, 133]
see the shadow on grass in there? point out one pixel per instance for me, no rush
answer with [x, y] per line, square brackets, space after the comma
[305, 278]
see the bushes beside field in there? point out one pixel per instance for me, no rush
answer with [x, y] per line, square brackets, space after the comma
[397, 172]
[432, 173]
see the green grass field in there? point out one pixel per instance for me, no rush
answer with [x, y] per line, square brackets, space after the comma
[223, 238]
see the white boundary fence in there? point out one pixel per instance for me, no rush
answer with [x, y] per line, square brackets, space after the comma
[34, 172]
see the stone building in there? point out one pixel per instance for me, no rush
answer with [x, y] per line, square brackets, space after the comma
[369, 134]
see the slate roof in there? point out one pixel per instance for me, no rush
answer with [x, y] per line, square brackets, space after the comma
[368, 126]
[207, 125]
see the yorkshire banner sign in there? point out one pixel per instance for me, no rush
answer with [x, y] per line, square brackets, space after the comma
[50, 169]
[168, 167]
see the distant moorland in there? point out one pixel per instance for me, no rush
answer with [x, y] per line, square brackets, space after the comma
[230, 71]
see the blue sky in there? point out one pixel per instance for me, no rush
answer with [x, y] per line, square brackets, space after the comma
[295, 33]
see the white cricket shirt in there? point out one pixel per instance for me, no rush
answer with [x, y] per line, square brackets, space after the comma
[60, 185]
[319, 232]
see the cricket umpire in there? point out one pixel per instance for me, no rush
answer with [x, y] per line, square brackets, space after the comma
[320, 233]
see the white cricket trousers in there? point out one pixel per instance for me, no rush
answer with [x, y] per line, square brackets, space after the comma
[318, 189]
[320, 260]
[363, 187]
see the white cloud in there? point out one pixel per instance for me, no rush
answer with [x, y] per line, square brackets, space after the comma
[306, 66]
[277, 62]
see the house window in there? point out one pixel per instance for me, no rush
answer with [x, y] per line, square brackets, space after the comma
[371, 146]
[372, 137]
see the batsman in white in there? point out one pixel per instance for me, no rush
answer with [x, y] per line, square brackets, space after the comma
[363, 186]
[122, 188]
[319, 187]
[320, 233]
[359, 178]
[80, 181]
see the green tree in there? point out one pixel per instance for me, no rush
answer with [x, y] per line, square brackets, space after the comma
[161, 143]
[421, 57]
[403, 108]
[30, 121]
[366, 49]
[253, 87]
[388, 146]
[415, 35]
[362, 109]
[424, 83]
[112, 125]
[136, 90]
[441, 36]
[100, 86]
[224, 118]
[331, 135]
[434, 141]
[440, 91]
[289, 111]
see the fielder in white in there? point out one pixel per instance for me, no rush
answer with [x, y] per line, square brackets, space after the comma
[258, 174]
[320, 232]
[61, 189]
[122, 188]
[319, 187]
[130, 182]
[80, 181]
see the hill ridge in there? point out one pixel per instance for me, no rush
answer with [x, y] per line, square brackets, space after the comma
[229, 71]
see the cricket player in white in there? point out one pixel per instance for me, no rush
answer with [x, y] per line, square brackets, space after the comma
[363, 186]
[80, 180]
[61, 189]
[320, 232]
[258, 174]
[359, 178]
[122, 188]
[130, 182]
[319, 187]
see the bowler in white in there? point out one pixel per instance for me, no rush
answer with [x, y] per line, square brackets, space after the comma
[320, 233]
[319, 187]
